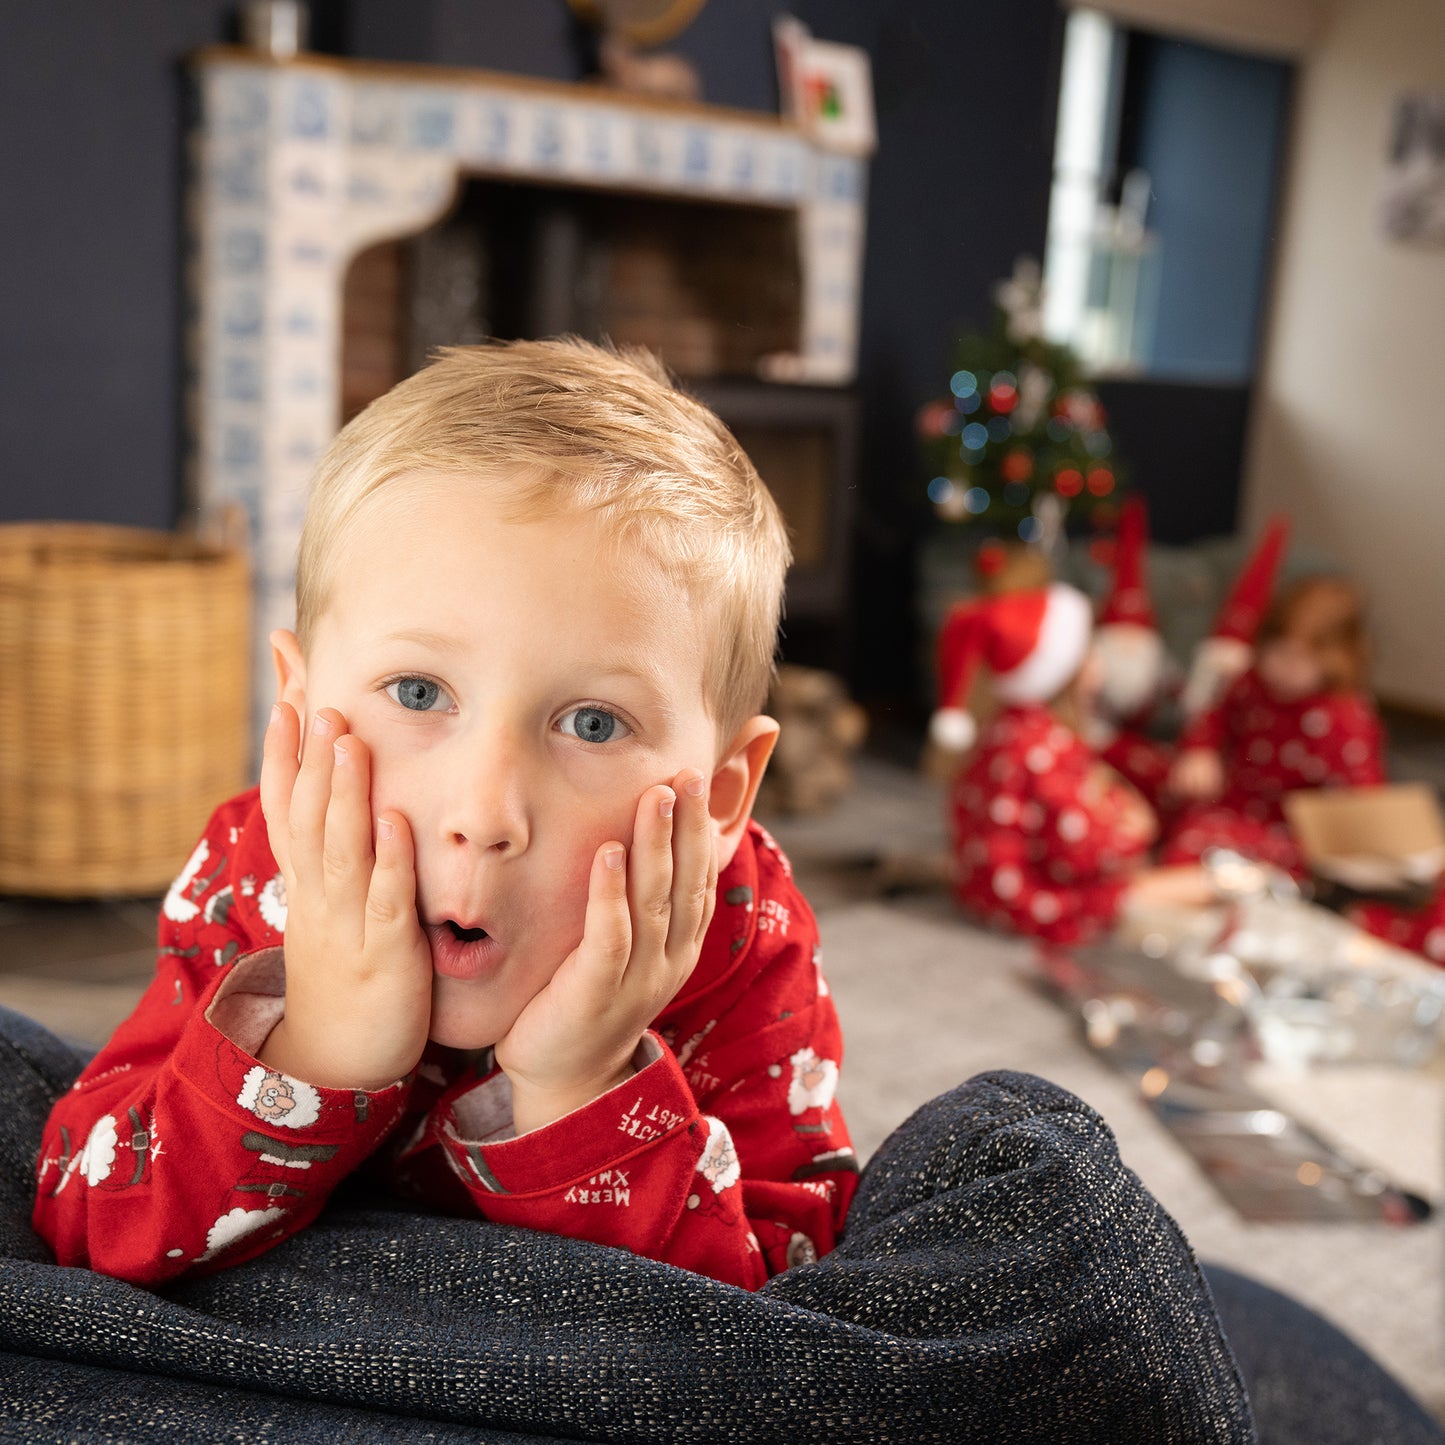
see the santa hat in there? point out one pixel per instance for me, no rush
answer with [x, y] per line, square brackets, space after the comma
[1128, 599]
[1243, 610]
[1032, 642]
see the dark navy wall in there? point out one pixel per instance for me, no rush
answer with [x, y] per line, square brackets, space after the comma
[89, 272]
[532, 38]
[1183, 443]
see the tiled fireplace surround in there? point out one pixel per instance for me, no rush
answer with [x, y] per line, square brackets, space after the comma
[299, 167]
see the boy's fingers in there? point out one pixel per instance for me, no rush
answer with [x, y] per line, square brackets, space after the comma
[312, 795]
[279, 765]
[649, 876]
[710, 902]
[607, 927]
[391, 897]
[694, 876]
[346, 852]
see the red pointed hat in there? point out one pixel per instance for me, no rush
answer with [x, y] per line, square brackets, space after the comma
[1128, 599]
[1248, 601]
[1032, 641]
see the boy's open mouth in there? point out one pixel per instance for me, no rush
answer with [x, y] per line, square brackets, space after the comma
[465, 935]
[461, 952]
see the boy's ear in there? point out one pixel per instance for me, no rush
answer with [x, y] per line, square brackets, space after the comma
[290, 665]
[735, 781]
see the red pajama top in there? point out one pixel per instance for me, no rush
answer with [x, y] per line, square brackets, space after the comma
[176, 1152]
[1270, 748]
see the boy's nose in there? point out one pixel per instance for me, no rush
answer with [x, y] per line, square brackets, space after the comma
[485, 808]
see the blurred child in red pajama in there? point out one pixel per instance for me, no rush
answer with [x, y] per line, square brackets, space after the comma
[1048, 841]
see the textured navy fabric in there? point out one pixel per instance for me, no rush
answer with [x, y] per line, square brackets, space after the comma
[1309, 1383]
[1003, 1278]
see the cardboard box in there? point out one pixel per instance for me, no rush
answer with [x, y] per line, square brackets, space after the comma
[1384, 840]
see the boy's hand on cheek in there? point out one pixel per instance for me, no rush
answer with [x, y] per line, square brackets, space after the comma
[358, 966]
[646, 918]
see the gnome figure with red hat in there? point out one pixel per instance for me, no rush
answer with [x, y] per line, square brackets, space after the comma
[1299, 717]
[1047, 841]
[1134, 668]
[1228, 651]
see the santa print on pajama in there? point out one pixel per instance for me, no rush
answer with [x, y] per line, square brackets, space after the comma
[176, 1152]
[1040, 845]
[1270, 748]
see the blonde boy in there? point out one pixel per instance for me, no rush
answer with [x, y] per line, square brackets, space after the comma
[497, 919]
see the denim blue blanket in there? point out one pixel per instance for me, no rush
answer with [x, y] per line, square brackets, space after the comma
[1003, 1279]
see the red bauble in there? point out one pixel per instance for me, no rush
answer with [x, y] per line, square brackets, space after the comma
[1017, 465]
[932, 418]
[990, 559]
[1069, 482]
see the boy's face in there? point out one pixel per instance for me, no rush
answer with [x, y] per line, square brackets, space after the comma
[518, 691]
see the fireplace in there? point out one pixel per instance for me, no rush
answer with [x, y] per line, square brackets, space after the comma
[346, 217]
[715, 290]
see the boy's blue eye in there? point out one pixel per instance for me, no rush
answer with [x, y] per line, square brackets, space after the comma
[419, 694]
[593, 724]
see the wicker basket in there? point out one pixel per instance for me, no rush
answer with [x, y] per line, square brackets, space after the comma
[124, 672]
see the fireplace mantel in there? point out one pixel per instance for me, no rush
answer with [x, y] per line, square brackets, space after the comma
[298, 166]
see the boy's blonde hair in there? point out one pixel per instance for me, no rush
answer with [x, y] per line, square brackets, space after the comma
[570, 426]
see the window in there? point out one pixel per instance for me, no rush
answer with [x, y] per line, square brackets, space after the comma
[1166, 161]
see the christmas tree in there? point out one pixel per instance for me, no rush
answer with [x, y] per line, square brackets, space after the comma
[1020, 442]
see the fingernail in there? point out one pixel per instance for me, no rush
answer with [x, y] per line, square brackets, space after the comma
[275, 712]
[693, 786]
[613, 856]
[666, 805]
[385, 828]
[320, 725]
[338, 752]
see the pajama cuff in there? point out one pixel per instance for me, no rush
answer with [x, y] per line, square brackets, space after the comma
[216, 1055]
[475, 1127]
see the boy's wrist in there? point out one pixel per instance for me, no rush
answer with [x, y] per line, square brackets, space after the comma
[535, 1107]
[287, 1054]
